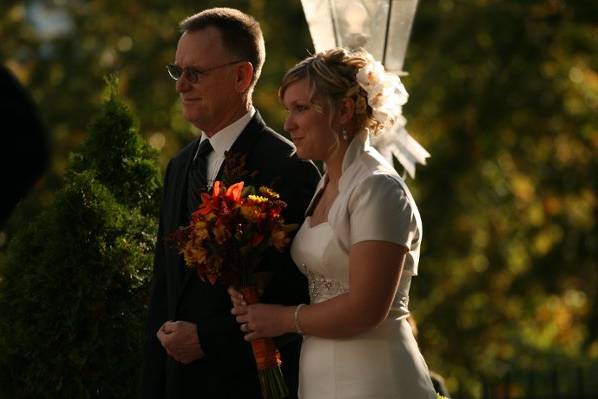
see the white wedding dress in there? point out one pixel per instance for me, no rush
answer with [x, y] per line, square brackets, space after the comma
[384, 362]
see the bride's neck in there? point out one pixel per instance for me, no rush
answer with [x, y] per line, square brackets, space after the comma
[334, 164]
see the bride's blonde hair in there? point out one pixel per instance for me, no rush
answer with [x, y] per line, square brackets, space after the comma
[331, 77]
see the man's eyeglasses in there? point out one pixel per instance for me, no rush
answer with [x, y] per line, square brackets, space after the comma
[193, 75]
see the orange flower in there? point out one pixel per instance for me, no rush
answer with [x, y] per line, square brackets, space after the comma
[216, 188]
[208, 204]
[234, 191]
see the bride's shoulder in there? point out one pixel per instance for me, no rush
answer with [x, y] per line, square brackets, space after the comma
[367, 164]
[376, 174]
[380, 186]
[372, 181]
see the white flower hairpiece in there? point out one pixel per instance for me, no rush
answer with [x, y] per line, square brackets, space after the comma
[385, 92]
[387, 95]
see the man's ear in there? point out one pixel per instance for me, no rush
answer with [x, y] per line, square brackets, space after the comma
[244, 76]
[346, 110]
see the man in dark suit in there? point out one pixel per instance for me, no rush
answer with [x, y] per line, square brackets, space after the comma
[195, 347]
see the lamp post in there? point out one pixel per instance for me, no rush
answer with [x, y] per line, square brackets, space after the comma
[382, 27]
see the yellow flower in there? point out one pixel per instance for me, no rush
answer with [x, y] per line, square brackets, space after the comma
[257, 199]
[200, 230]
[194, 254]
[268, 192]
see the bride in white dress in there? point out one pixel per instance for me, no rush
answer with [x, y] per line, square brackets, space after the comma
[359, 245]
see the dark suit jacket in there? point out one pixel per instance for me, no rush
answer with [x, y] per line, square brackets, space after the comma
[228, 369]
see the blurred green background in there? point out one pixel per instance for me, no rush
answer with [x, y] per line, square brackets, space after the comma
[504, 95]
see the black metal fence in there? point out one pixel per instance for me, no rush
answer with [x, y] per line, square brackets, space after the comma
[556, 383]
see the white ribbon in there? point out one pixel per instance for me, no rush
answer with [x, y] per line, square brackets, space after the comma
[397, 142]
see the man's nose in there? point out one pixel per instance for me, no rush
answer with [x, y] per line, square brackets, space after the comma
[182, 85]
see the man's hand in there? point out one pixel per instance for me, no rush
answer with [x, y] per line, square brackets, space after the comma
[180, 340]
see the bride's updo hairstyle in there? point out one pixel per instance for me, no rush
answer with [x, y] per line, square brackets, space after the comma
[332, 76]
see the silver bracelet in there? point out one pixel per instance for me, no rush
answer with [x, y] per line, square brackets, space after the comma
[297, 324]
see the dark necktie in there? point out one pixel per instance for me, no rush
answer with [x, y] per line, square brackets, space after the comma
[198, 175]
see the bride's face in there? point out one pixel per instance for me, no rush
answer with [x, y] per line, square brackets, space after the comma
[307, 123]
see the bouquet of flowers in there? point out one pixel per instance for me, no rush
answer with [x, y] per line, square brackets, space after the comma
[225, 241]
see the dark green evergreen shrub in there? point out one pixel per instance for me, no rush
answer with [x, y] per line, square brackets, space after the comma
[73, 290]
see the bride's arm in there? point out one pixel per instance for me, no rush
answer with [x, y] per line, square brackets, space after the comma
[374, 271]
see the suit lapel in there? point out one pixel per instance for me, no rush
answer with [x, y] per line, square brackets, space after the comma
[182, 181]
[182, 213]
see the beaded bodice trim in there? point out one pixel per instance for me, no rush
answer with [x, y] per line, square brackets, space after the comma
[320, 286]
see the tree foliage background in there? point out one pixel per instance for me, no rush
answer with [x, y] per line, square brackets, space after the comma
[75, 279]
[504, 94]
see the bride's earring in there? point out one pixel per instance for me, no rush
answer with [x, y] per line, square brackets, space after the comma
[344, 134]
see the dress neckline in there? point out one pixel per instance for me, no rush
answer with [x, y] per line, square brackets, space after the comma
[308, 223]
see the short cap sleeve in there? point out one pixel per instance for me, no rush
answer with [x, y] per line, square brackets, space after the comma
[381, 210]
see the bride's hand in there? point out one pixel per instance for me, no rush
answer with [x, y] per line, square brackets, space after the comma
[261, 320]
[236, 298]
